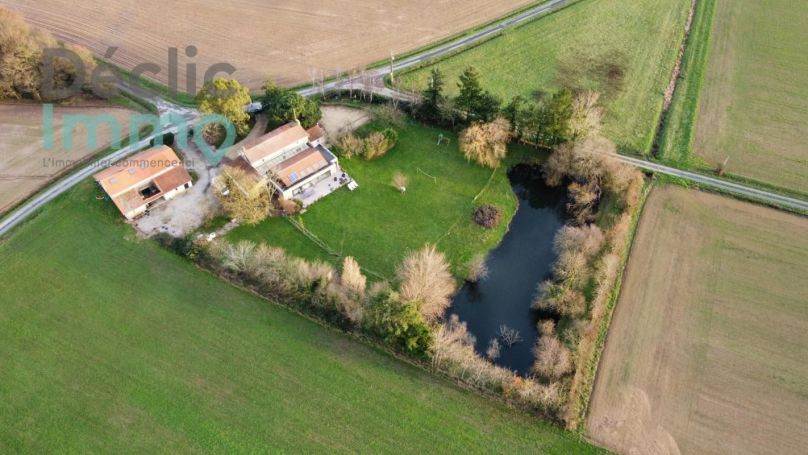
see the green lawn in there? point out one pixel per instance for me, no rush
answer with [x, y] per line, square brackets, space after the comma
[112, 344]
[625, 49]
[378, 225]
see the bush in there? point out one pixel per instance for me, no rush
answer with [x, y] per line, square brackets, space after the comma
[477, 269]
[398, 323]
[486, 143]
[426, 281]
[553, 359]
[487, 216]
[349, 146]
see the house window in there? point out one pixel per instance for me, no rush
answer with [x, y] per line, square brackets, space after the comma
[293, 177]
[149, 191]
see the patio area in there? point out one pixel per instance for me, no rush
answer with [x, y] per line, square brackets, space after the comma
[325, 187]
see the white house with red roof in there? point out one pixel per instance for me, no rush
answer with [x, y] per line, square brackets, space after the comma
[296, 163]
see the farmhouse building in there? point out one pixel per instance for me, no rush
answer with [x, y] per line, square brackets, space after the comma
[296, 163]
[144, 181]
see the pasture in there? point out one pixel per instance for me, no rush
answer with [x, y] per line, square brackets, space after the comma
[112, 344]
[706, 351]
[378, 225]
[25, 165]
[753, 108]
[282, 40]
[624, 49]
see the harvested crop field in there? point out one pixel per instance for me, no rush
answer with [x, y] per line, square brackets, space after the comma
[283, 40]
[25, 165]
[754, 101]
[706, 352]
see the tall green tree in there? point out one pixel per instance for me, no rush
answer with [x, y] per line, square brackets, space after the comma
[432, 98]
[475, 103]
[283, 106]
[549, 121]
[226, 97]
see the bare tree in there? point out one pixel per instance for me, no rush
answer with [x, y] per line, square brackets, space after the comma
[509, 336]
[425, 279]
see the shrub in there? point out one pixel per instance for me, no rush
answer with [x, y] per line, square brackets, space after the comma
[400, 181]
[553, 359]
[349, 145]
[289, 206]
[425, 280]
[352, 278]
[487, 216]
[399, 323]
[486, 143]
[379, 143]
[477, 269]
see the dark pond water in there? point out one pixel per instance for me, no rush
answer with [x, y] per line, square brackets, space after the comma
[516, 266]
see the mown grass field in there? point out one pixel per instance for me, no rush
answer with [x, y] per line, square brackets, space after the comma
[112, 344]
[706, 351]
[624, 49]
[378, 225]
[754, 100]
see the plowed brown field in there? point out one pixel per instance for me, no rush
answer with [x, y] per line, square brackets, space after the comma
[284, 40]
[707, 349]
[25, 166]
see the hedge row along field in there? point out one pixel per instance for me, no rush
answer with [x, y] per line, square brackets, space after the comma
[624, 49]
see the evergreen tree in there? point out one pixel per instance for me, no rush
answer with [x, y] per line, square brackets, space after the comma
[476, 104]
[433, 98]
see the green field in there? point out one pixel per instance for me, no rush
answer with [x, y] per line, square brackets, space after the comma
[624, 49]
[111, 344]
[378, 225]
[753, 105]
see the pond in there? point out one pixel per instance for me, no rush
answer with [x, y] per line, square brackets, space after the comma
[516, 266]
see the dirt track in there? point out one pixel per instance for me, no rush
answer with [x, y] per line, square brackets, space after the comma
[706, 352]
[284, 40]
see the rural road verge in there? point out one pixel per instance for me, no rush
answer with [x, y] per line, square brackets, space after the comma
[748, 192]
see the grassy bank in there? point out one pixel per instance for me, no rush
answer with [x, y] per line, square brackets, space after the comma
[111, 344]
[626, 50]
[676, 138]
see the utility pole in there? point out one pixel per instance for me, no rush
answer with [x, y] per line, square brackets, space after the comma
[392, 76]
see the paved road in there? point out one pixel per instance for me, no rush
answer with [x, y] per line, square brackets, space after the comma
[712, 182]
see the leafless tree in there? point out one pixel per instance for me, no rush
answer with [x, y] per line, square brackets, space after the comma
[509, 336]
